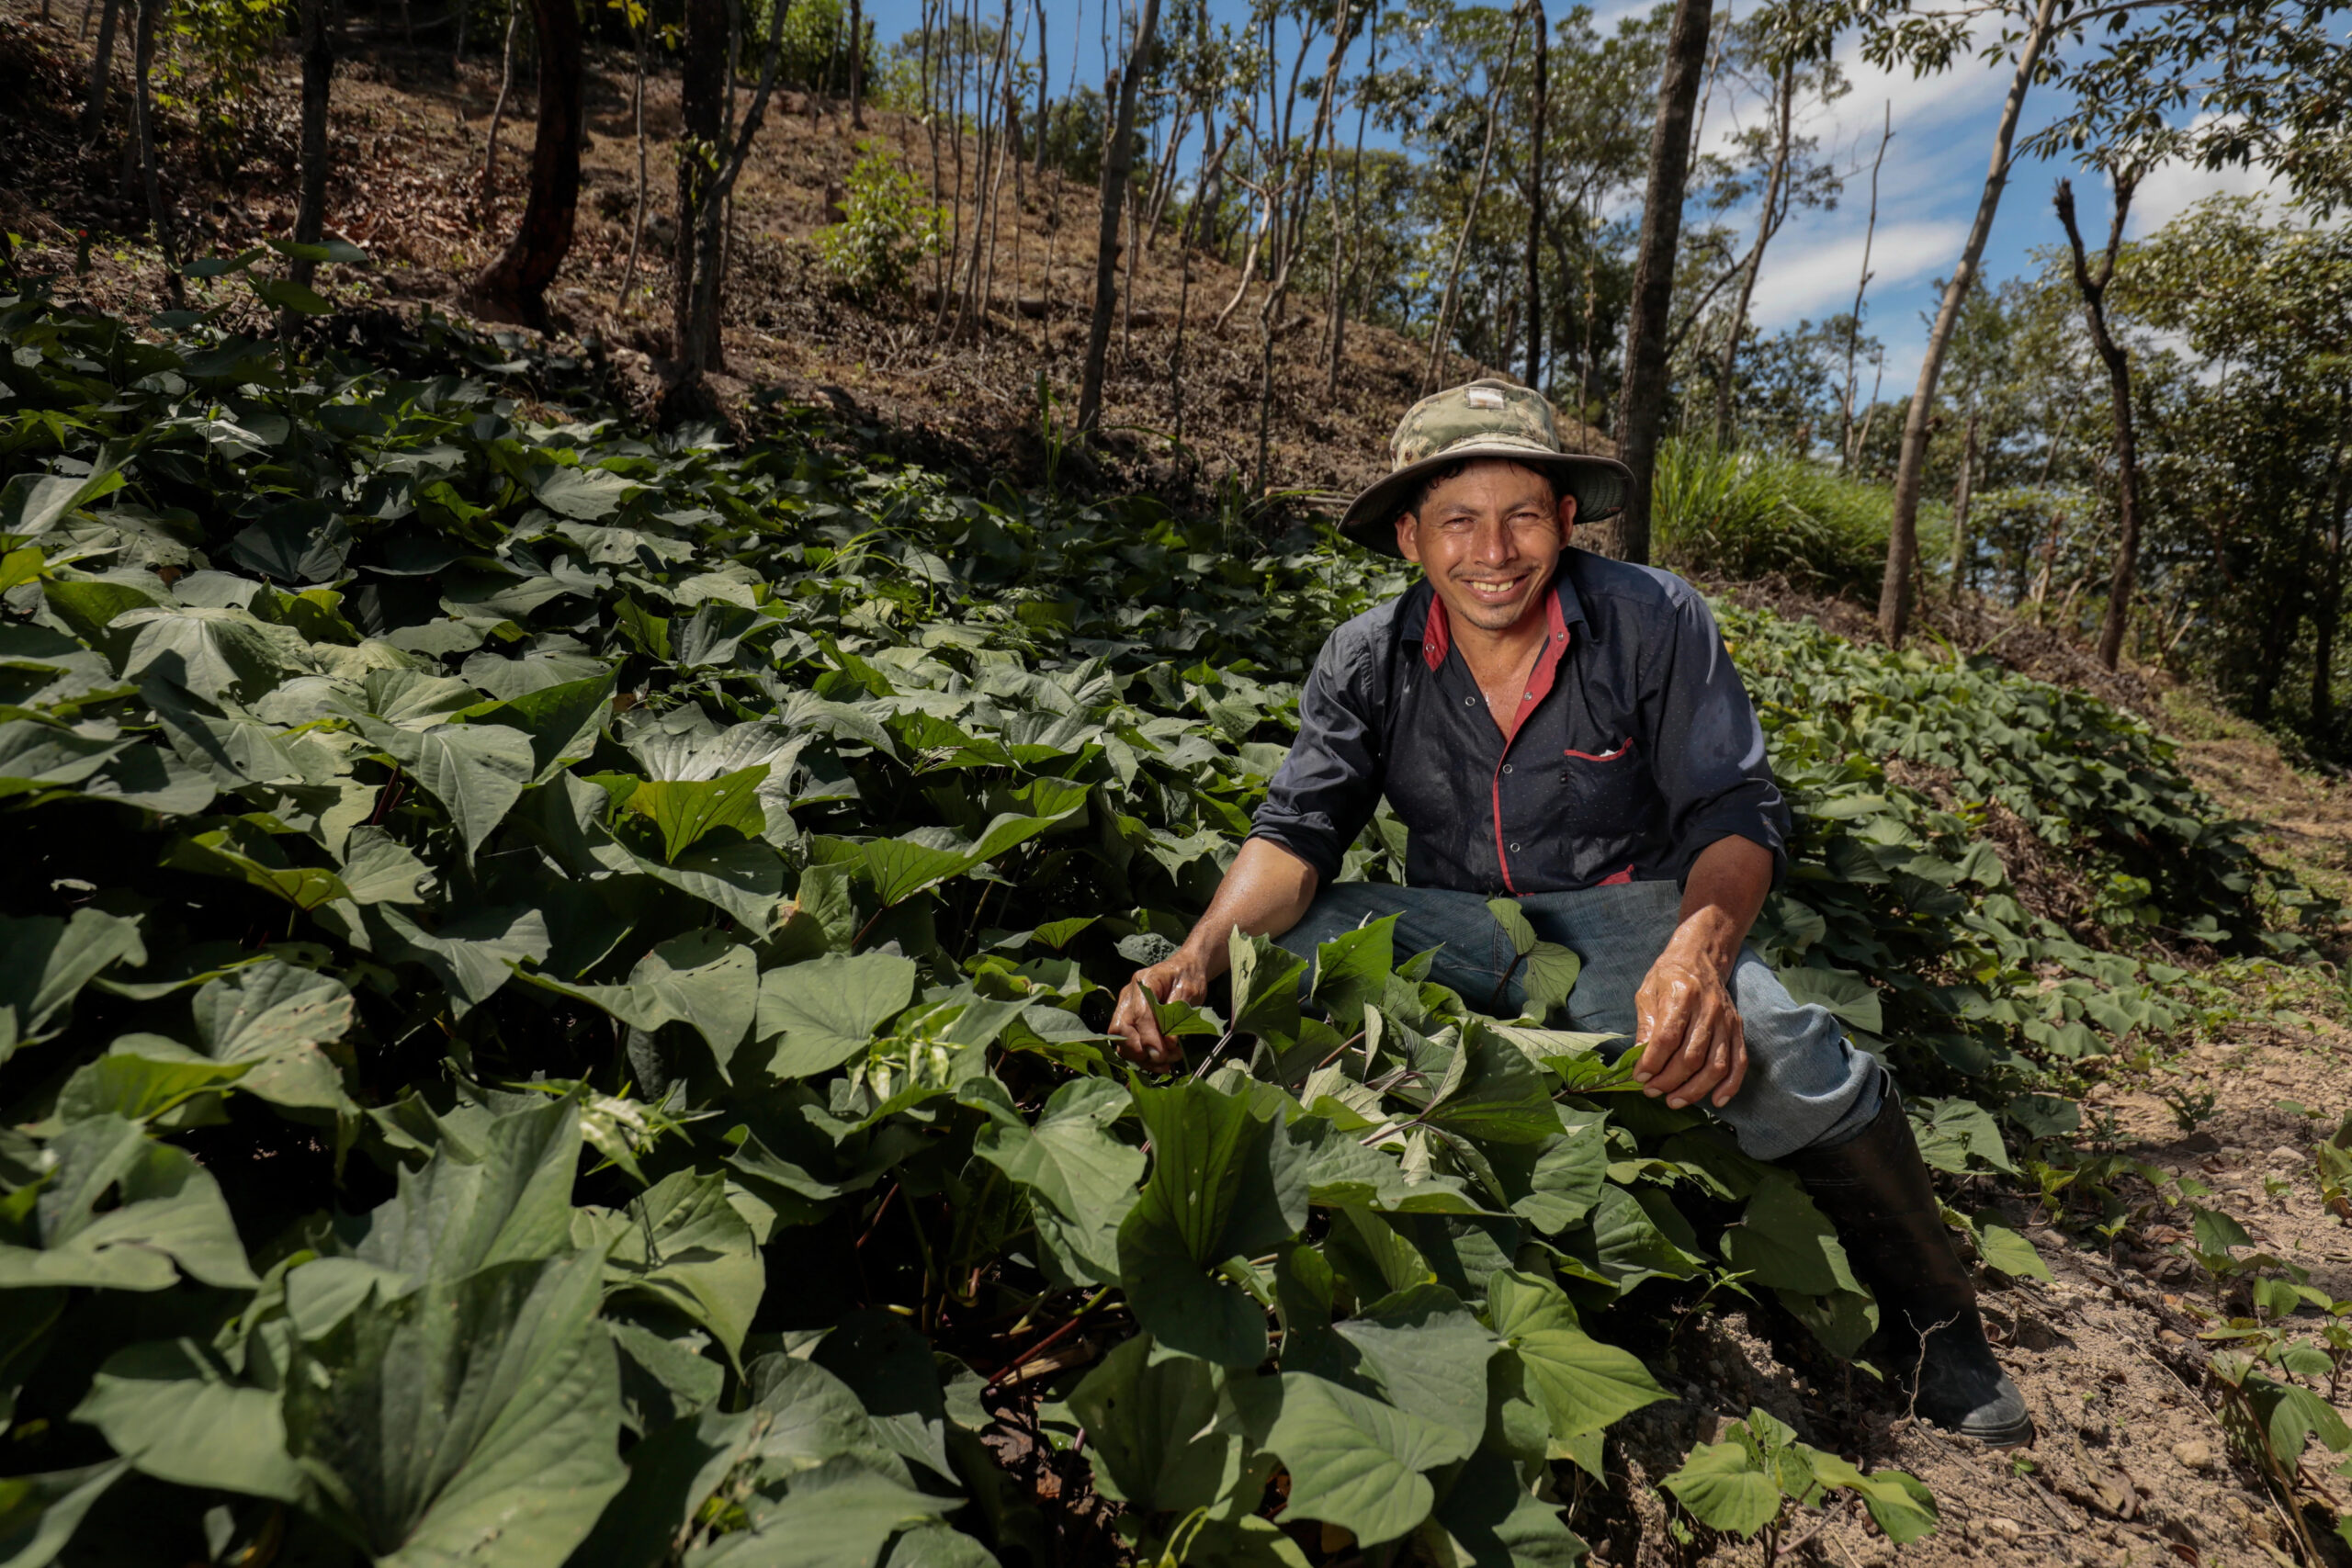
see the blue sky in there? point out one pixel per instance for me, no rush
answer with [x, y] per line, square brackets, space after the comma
[1934, 171]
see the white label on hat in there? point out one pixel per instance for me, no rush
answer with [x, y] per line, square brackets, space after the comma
[1483, 397]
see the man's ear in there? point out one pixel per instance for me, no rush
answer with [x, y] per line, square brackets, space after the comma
[1568, 518]
[1408, 540]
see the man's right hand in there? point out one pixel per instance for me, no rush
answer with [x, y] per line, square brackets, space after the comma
[1179, 977]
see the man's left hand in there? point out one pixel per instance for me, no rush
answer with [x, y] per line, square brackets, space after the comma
[1693, 1047]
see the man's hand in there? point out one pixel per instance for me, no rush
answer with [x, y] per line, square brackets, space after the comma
[1179, 977]
[1692, 1043]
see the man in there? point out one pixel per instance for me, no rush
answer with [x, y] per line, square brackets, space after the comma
[1568, 730]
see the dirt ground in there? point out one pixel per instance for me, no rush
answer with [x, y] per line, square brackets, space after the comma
[411, 133]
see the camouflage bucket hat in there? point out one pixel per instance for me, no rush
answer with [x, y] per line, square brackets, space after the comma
[1488, 418]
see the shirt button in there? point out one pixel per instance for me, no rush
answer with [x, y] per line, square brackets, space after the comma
[1506, 767]
[1514, 849]
[1469, 701]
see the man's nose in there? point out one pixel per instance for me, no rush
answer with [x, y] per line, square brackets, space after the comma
[1494, 542]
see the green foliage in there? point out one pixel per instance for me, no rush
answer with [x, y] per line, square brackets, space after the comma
[1746, 513]
[887, 228]
[215, 71]
[1746, 1483]
[559, 978]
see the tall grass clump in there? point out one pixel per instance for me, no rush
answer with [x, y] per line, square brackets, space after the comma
[1745, 512]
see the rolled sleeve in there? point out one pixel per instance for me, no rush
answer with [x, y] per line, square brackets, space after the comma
[1326, 788]
[1711, 765]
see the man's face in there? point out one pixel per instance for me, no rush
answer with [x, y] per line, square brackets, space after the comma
[1490, 540]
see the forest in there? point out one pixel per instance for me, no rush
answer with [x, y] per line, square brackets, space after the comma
[619, 625]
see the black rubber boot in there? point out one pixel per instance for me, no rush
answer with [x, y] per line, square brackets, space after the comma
[1874, 1188]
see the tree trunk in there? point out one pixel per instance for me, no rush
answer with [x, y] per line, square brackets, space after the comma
[517, 283]
[498, 114]
[1118, 159]
[2093, 288]
[1642, 405]
[1960, 507]
[142, 110]
[1911, 468]
[318, 79]
[94, 110]
[704, 203]
[1538, 117]
[1846, 453]
[702, 108]
[856, 64]
[1045, 104]
[636, 227]
[2329, 614]
[1768, 223]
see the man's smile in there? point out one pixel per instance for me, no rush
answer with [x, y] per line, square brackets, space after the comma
[1496, 589]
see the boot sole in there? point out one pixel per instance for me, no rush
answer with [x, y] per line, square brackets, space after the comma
[2007, 1435]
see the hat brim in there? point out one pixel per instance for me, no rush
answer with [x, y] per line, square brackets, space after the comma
[1598, 484]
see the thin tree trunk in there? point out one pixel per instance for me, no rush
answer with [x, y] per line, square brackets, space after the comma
[856, 64]
[699, 345]
[1960, 552]
[142, 110]
[637, 228]
[318, 80]
[1045, 103]
[1911, 468]
[498, 115]
[2093, 288]
[1642, 405]
[1768, 223]
[517, 283]
[1846, 453]
[1539, 119]
[2329, 614]
[94, 110]
[1470, 215]
[457, 51]
[1118, 160]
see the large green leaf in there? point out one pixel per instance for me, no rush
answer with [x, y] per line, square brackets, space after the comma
[837, 1516]
[1080, 1179]
[272, 1017]
[1353, 1461]
[682, 1241]
[698, 978]
[44, 961]
[1726, 1488]
[1581, 1384]
[38, 1514]
[1785, 1242]
[1152, 1430]
[118, 1209]
[171, 1408]
[828, 1008]
[1899, 1504]
[685, 810]
[1492, 1092]
[1225, 1184]
[476, 770]
[476, 1422]
[213, 653]
[1428, 1354]
[468, 1209]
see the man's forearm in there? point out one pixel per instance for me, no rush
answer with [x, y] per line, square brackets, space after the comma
[1726, 889]
[1265, 893]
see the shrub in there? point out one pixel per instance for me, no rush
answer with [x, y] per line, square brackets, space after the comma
[1739, 512]
[886, 230]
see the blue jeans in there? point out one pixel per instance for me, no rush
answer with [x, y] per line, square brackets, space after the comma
[1806, 1083]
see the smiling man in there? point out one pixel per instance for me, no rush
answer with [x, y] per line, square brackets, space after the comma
[1568, 732]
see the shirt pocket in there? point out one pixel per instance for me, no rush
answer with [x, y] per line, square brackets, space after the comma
[1608, 794]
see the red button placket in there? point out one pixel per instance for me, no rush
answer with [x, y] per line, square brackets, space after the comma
[1539, 686]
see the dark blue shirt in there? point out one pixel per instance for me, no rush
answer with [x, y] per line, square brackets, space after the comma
[1635, 746]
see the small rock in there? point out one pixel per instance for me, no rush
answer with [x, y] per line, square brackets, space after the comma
[2195, 1453]
[2285, 1155]
[2171, 1337]
[2007, 1529]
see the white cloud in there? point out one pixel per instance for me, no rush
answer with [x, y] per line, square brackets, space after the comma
[1817, 278]
[2171, 189]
